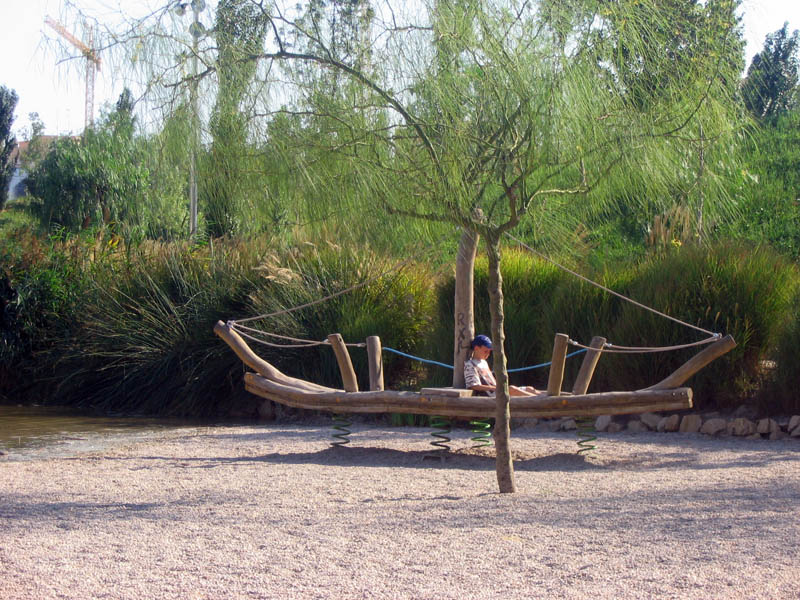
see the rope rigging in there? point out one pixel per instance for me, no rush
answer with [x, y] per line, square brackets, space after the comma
[713, 337]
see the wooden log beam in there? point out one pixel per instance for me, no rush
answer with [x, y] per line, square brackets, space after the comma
[258, 364]
[349, 380]
[375, 361]
[588, 365]
[694, 364]
[388, 401]
[556, 377]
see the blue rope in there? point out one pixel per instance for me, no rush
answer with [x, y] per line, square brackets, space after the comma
[547, 364]
[433, 362]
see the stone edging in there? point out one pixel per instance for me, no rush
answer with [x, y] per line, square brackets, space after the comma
[712, 424]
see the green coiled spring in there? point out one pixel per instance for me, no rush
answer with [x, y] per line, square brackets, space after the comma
[586, 434]
[441, 425]
[482, 428]
[341, 425]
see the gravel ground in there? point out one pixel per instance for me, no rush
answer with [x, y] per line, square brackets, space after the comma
[275, 512]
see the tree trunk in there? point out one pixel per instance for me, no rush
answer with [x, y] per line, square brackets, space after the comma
[502, 426]
[464, 306]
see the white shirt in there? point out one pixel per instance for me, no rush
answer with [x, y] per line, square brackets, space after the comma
[477, 372]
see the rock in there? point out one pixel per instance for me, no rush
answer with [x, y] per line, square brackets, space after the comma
[670, 423]
[602, 422]
[617, 427]
[767, 426]
[554, 425]
[794, 422]
[795, 432]
[651, 420]
[741, 427]
[691, 424]
[637, 426]
[714, 426]
[755, 436]
[568, 425]
[778, 435]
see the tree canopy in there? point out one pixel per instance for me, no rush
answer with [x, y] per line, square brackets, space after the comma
[8, 142]
[770, 86]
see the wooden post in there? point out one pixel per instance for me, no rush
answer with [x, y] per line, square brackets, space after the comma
[588, 365]
[464, 312]
[258, 364]
[345, 364]
[375, 361]
[557, 365]
[694, 364]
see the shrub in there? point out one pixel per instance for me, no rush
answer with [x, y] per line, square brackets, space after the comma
[44, 285]
[725, 288]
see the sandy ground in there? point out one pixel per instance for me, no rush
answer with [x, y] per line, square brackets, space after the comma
[275, 512]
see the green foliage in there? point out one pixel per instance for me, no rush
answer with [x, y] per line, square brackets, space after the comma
[240, 30]
[114, 178]
[144, 344]
[726, 288]
[45, 282]
[769, 186]
[768, 90]
[168, 159]
[8, 102]
[672, 47]
[99, 178]
[395, 307]
[128, 329]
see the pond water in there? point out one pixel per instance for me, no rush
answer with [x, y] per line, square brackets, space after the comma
[28, 432]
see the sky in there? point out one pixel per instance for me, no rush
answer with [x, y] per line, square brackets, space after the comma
[56, 91]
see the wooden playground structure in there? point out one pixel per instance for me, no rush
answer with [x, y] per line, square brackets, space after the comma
[268, 382]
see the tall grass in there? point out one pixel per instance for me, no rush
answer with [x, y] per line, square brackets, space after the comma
[143, 342]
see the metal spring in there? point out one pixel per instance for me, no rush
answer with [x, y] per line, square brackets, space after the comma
[482, 428]
[586, 434]
[341, 425]
[441, 433]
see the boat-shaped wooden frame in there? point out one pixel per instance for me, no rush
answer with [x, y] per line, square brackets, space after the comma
[271, 384]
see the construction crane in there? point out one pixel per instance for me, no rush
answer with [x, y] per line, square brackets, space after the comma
[92, 64]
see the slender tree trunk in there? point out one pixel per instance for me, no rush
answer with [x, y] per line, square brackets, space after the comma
[502, 426]
[464, 303]
[701, 183]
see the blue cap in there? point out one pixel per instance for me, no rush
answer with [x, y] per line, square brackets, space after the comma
[481, 340]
